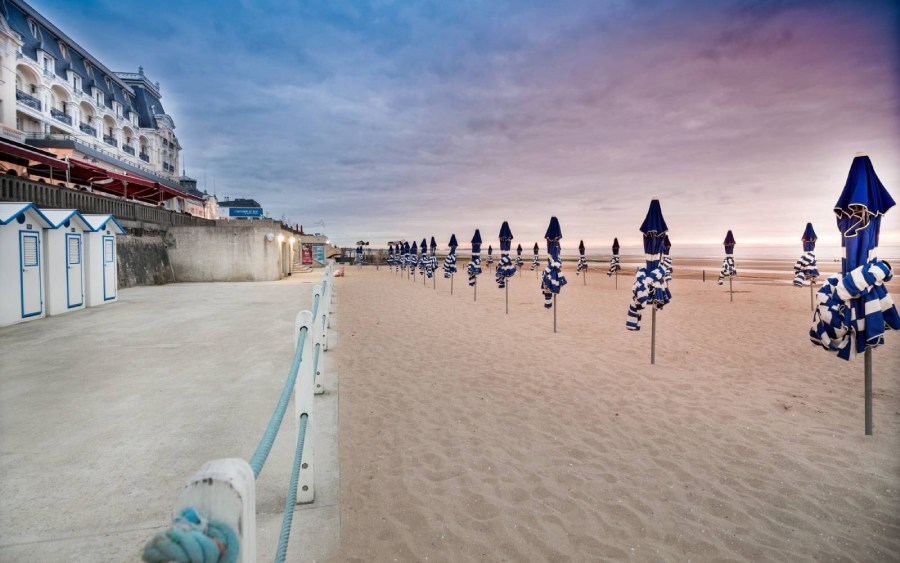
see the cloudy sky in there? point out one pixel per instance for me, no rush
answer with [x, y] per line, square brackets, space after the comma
[397, 119]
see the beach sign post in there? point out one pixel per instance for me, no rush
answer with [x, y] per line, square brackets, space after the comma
[614, 265]
[806, 267]
[505, 268]
[728, 270]
[582, 263]
[473, 268]
[450, 261]
[650, 287]
[553, 278]
[855, 305]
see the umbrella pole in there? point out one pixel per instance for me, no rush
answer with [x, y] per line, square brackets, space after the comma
[451, 284]
[617, 279]
[730, 290]
[554, 312]
[507, 297]
[434, 282]
[475, 291]
[653, 336]
[585, 276]
[868, 357]
[811, 295]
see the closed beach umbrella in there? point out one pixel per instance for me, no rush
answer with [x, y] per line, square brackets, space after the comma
[450, 261]
[490, 258]
[667, 260]
[650, 288]
[582, 262]
[413, 259]
[553, 278]
[854, 308]
[424, 260]
[535, 262]
[728, 270]
[432, 260]
[473, 268]
[359, 255]
[404, 258]
[806, 267]
[505, 269]
[390, 258]
[614, 265]
[519, 257]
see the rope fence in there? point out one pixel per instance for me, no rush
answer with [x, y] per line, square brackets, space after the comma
[214, 519]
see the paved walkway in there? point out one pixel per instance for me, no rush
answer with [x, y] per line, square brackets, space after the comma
[104, 413]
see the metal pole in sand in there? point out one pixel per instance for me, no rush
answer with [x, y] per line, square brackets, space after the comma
[451, 284]
[868, 357]
[554, 312]
[704, 276]
[507, 297]
[730, 290]
[585, 276]
[653, 336]
[812, 307]
[434, 281]
[475, 291]
[423, 280]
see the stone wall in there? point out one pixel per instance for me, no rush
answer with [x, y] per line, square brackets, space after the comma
[142, 258]
[225, 253]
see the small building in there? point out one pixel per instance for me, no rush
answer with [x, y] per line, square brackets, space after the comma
[240, 208]
[64, 260]
[101, 275]
[21, 265]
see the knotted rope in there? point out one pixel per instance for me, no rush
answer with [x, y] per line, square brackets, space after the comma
[193, 539]
[856, 305]
[450, 264]
[505, 270]
[805, 269]
[649, 290]
[613, 266]
[727, 269]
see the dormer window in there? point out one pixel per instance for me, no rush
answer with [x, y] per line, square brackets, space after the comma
[32, 26]
[88, 69]
[49, 64]
[108, 83]
[99, 98]
[76, 82]
[63, 51]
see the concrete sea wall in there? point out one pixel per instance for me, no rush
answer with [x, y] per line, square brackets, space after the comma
[225, 253]
[143, 259]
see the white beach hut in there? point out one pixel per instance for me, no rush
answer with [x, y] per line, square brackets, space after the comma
[64, 260]
[21, 276]
[101, 276]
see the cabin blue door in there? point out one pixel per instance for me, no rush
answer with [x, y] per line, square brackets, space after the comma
[74, 271]
[109, 268]
[30, 275]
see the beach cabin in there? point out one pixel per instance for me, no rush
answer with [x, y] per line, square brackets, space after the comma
[101, 282]
[21, 267]
[64, 260]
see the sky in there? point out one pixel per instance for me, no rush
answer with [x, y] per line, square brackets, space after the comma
[385, 119]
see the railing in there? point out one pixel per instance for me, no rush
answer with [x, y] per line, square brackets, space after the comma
[222, 493]
[85, 128]
[129, 149]
[110, 140]
[60, 116]
[28, 100]
[13, 188]
[144, 156]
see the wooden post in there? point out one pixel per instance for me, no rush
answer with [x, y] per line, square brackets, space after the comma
[868, 384]
[653, 336]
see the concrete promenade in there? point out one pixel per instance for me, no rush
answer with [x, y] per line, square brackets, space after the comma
[104, 413]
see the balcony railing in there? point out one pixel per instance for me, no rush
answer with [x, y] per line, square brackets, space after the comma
[60, 116]
[85, 128]
[28, 100]
[129, 149]
[144, 156]
[110, 140]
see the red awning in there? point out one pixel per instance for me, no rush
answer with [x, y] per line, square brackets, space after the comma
[22, 151]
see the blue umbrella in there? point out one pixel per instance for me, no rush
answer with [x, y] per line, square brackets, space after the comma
[582, 262]
[650, 287]
[473, 268]
[535, 262]
[413, 259]
[432, 262]
[667, 259]
[519, 257]
[450, 262]
[390, 258]
[490, 257]
[553, 279]
[856, 304]
[728, 270]
[424, 261]
[806, 267]
[505, 269]
[359, 255]
[404, 257]
[614, 265]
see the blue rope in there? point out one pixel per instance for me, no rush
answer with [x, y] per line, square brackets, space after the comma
[291, 500]
[265, 444]
[193, 539]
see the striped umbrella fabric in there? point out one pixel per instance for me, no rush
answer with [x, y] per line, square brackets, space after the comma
[614, 265]
[728, 270]
[473, 268]
[505, 268]
[854, 309]
[535, 261]
[650, 288]
[519, 257]
[390, 256]
[432, 259]
[404, 256]
[359, 255]
[553, 278]
[413, 258]
[582, 261]
[450, 260]
[424, 260]
[806, 267]
[667, 260]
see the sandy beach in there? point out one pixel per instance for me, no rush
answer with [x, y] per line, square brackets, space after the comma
[470, 435]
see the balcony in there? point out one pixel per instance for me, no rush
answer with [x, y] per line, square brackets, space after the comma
[129, 149]
[110, 141]
[144, 156]
[60, 116]
[28, 100]
[85, 128]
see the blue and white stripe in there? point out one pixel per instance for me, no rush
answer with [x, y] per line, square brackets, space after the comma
[666, 264]
[613, 265]
[581, 266]
[855, 306]
[552, 279]
[450, 263]
[535, 261]
[505, 269]
[473, 268]
[650, 290]
[805, 269]
[728, 270]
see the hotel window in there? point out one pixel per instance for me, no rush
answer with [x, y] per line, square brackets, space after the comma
[76, 82]
[48, 64]
[108, 83]
[88, 69]
[99, 98]
[63, 51]
[33, 28]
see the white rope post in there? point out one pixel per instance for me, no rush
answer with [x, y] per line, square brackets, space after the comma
[224, 490]
[303, 404]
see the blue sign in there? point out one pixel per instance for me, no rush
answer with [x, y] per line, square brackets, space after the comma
[245, 212]
[319, 252]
